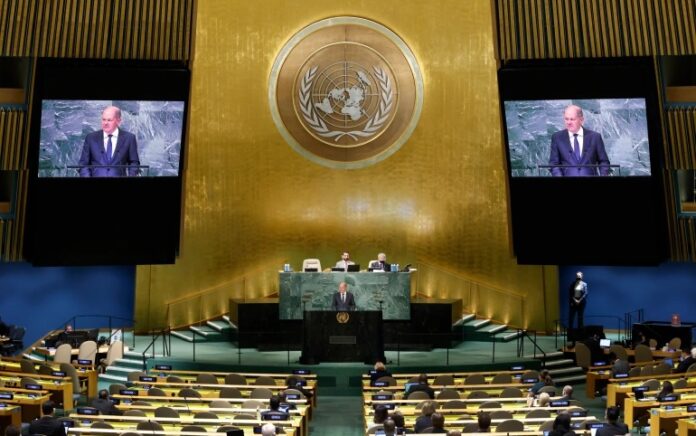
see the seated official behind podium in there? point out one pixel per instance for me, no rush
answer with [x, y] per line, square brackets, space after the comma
[345, 261]
[380, 264]
[343, 300]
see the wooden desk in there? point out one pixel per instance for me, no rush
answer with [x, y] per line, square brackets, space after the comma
[50, 352]
[530, 424]
[10, 415]
[61, 388]
[250, 376]
[30, 401]
[686, 427]
[618, 389]
[662, 420]
[634, 409]
[84, 372]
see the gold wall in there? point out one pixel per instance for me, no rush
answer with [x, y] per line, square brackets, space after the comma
[252, 203]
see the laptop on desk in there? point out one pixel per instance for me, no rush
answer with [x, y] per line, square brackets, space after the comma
[354, 268]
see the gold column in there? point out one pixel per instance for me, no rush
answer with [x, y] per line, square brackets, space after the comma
[252, 203]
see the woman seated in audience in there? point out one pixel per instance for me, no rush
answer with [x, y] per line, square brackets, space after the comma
[544, 380]
[667, 389]
[379, 371]
[425, 420]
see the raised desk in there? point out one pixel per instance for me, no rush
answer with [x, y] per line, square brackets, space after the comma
[61, 388]
[314, 292]
[686, 427]
[10, 415]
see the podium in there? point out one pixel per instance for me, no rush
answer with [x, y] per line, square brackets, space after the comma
[330, 336]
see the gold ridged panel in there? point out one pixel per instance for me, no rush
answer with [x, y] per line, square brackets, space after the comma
[594, 28]
[114, 29]
[12, 230]
[250, 199]
[12, 143]
[680, 143]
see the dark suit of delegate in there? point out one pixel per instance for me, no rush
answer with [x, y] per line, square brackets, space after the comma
[343, 306]
[47, 425]
[125, 152]
[593, 152]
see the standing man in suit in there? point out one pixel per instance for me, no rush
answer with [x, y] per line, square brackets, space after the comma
[576, 145]
[578, 300]
[343, 300]
[109, 146]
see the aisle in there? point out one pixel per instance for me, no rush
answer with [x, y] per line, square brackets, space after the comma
[337, 416]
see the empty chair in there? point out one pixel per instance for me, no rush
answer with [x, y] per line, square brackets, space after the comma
[478, 394]
[220, 404]
[646, 370]
[116, 388]
[509, 425]
[194, 428]
[501, 414]
[174, 379]
[135, 375]
[188, 392]
[546, 426]
[680, 384]
[470, 427]
[209, 379]
[141, 403]
[511, 392]
[114, 353]
[166, 412]
[27, 367]
[538, 413]
[63, 354]
[156, 392]
[475, 379]
[635, 371]
[388, 379]
[296, 392]
[102, 425]
[24, 381]
[244, 416]
[454, 404]
[130, 433]
[652, 384]
[490, 405]
[205, 415]
[311, 265]
[44, 369]
[583, 356]
[264, 380]
[230, 392]
[134, 412]
[71, 372]
[531, 373]
[235, 379]
[444, 380]
[499, 379]
[418, 395]
[643, 353]
[231, 430]
[620, 351]
[252, 404]
[448, 394]
[88, 351]
[551, 390]
[149, 426]
[662, 369]
[691, 368]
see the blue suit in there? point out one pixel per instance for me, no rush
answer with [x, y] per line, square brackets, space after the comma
[593, 152]
[125, 152]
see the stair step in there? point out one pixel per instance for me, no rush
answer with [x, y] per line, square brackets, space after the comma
[204, 331]
[110, 378]
[122, 369]
[229, 321]
[477, 324]
[464, 319]
[510, 335]
[33, 357]
[493, 328]
[569, 370]
[130, 362]
[570, 379]
[218, 326]
[184, 336]
[559, 363]
[549, 355]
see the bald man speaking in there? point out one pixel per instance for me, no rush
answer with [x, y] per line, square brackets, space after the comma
[110, 151]
[576, 145]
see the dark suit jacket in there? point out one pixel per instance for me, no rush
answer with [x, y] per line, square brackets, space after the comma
[425, 388]
[593, 152]
[46, 425]
[337, 304]
[125, 152]
[612, 429]
[384, 266]
[105, 407]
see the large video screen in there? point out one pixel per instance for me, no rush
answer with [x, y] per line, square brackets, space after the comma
[145, 138]
[612, 137]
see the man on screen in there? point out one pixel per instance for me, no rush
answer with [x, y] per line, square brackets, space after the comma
[108, 152]
[343, 300]
[576, 145]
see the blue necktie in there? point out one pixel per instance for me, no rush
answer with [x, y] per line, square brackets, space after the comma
[576, 146]
[109, 149]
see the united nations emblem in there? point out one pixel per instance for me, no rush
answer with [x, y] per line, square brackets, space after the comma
[342, 317]
[346, 92]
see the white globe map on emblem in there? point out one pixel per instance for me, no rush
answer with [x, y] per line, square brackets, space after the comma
[347, 97]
